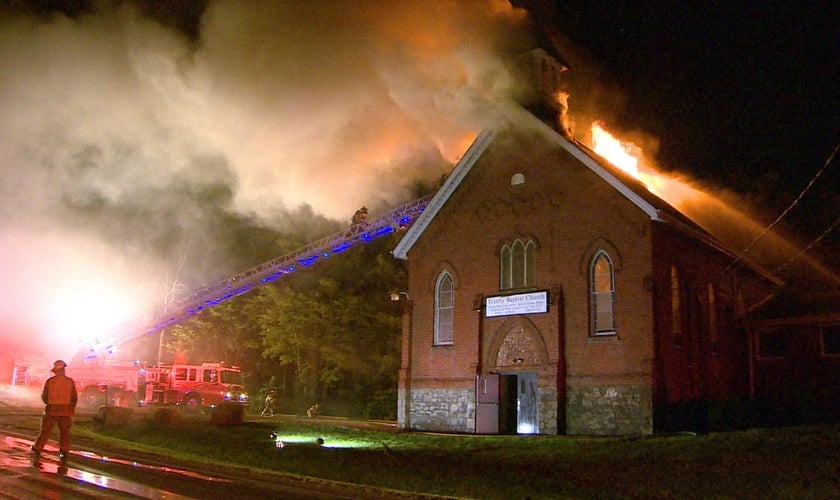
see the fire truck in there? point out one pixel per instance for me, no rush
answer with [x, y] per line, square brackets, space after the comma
[193, 387]
[107, 384]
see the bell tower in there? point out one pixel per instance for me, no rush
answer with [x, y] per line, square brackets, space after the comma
[541, 71]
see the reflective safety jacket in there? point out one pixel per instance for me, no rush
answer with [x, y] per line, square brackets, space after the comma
[60, 396]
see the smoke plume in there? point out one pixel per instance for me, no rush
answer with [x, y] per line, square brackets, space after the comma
[130, 149]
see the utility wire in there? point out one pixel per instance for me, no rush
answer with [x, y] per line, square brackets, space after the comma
[789, 208]
[810, 245]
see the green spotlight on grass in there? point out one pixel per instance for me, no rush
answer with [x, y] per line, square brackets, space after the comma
[327, 441]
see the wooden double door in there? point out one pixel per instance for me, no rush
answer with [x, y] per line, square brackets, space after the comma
[507, 403]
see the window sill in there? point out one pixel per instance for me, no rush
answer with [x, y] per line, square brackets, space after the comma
[520, 289]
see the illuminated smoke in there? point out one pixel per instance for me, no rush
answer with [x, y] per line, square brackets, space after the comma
[127, 147]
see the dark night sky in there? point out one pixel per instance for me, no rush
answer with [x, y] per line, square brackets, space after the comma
[741, 94]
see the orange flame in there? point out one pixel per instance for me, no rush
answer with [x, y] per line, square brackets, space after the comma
[624, 155]
[628, 157]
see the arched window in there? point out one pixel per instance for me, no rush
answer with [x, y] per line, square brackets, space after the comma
[444, 309]
[530, 277]
[603, 295]
[504, 271]
[676, 307]
[517, 265]
[713, 317]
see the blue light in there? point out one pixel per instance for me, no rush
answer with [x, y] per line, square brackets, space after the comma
[366, 237]
[342, 247]
[383, 231]
[271, 277]
[308, 261]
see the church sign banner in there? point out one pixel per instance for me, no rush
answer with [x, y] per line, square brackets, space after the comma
[523, 303]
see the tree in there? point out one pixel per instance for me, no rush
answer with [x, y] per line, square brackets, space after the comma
[326, 333]
[337, 327]
[221, 333]
[291, 324]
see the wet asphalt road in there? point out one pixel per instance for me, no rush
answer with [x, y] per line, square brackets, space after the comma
[89, 473]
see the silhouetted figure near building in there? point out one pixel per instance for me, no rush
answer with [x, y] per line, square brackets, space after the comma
[60, 396]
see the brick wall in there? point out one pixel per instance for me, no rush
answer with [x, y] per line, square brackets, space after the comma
[696, 366]
[570, 214]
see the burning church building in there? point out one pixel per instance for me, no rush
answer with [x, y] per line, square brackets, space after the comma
[550, 292]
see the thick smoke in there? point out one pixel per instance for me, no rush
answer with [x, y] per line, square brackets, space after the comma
[129, 149]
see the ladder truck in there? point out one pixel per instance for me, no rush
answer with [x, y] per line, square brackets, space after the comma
[104, 382]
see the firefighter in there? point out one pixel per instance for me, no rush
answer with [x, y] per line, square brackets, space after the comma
[59, 396]
[360, 216]
[270, 398]
[313, 411]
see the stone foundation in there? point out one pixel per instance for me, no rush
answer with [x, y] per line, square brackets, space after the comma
[402, 413]
[610, 410]
[446, 410]
[548, 410]
[607, 410]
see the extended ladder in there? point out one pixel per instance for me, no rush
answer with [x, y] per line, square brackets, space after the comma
[267, 272]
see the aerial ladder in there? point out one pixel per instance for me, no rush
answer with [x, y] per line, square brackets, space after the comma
[392, 221]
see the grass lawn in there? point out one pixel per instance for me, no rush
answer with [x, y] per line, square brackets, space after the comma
[796, 462]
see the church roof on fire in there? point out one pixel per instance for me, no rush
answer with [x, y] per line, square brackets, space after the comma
[628, 186]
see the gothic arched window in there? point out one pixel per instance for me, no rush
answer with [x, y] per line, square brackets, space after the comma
[713, 317]
[676, 307]
[444, 309]
[517, 265]
[602, 288]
